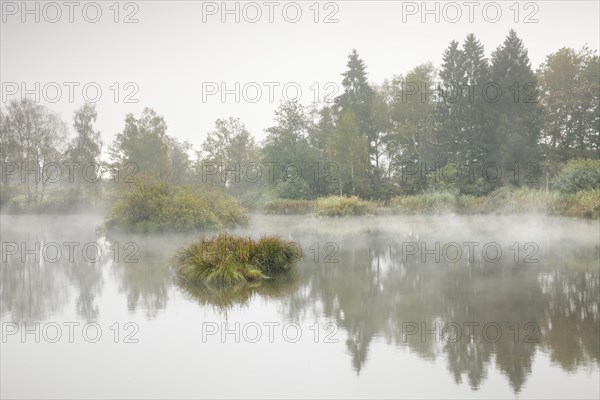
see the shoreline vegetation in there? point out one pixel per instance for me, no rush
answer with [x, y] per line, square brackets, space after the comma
[582, 204]
[231, 260]
[412, 143]
[157, 206]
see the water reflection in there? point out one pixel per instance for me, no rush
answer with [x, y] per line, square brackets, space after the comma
[551, 305]
[44, 265]
[371, 292]
[142, 270]
[224, 298]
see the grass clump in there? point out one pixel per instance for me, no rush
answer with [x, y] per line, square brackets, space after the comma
[338, 206]
[156, 206]
[228, 260]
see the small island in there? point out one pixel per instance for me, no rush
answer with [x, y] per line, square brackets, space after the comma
[227, 259]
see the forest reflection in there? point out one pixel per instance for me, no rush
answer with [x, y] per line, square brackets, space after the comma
[370, 292]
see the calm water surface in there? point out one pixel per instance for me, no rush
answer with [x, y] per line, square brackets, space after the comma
[379, 307]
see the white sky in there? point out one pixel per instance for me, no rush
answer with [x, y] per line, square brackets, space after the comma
[170, 52]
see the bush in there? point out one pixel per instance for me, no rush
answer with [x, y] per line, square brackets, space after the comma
[337, 206]
[229, 260]
[156, 206]
[585, 203]
[578, 175]
[289, 207]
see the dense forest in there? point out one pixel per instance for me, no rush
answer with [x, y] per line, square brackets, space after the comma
[470, 127]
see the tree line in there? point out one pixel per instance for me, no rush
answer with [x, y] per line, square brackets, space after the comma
[374, 140]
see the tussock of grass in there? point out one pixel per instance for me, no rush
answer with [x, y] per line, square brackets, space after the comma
[230, 260]
[338, 206]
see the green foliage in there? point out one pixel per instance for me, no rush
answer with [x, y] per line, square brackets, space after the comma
[228, 151]
[351, 154]
[289, 207]
[287, 152]
[357, 100]
[504, 200]
[156, 206]
[430, 202]
[508, 200]
[338, 206]
[570, 83]
[293, 189]
[583, 204]
[226, 208]
[143, 142]
[359, 145]
[271, 254]
[229, 260]
[514, 123]
[578, 175]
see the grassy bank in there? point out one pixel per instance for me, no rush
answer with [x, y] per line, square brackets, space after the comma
[289, 207]
[582, 204]
[338, 206]
[227, 259]
[332, 206]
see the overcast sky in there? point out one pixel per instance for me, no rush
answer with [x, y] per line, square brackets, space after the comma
[177, 48]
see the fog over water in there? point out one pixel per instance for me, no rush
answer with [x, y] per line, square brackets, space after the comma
[299, 199]
[375, 317]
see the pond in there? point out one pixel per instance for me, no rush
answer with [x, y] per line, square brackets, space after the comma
[482, 306]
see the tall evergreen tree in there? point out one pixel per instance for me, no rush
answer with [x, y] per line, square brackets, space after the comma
[514, 116]
[358, 98]
[461, 111]
[474, 106]
[450, 124]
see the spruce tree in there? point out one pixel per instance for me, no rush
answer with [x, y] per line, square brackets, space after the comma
[514, 117]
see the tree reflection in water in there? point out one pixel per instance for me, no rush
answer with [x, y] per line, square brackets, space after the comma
[370, 292]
